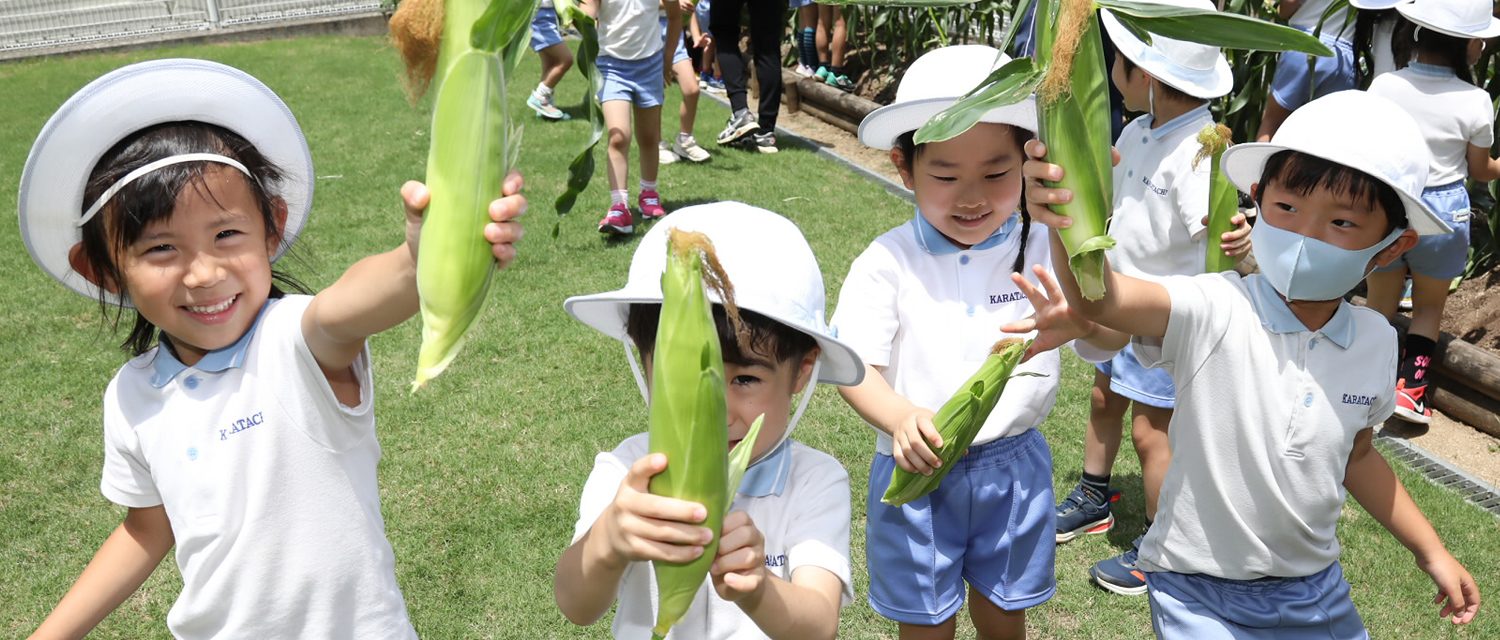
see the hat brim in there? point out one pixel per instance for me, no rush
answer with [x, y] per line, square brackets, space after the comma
[1376, 5]
[1199, 83]
[131, 98]
[606, 313]
[1417, 14]
[880, 129]
[1244, 163]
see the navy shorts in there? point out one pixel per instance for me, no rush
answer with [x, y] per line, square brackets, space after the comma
[639, 82]
[990, 523]
[1444, 255]
[1128, 378]
[544, 32]
[1198, 607]
[1293, 86]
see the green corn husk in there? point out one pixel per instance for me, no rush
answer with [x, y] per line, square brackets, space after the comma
[473, 145]
[960, 419]
[1223, 198]
[689, 414]
[581, 169]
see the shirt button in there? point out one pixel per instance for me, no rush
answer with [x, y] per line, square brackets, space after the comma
[1307, 401]
[191, 382]
[963, 260]
[1130, 173]
[970, 311]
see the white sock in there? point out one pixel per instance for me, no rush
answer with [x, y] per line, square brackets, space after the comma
[648, 186]
[683, 137]
[543, 91]
[619, 197]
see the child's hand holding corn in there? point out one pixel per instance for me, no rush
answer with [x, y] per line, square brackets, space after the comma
[1039, 197]
[739, 573]
[911, 449]
[639, 526]
[503, 231]
[1236, 242]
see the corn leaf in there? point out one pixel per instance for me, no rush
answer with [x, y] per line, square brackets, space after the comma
[581, 169]
[1217, 28]
[739, 460]
[1223, 198]
[1009, 84]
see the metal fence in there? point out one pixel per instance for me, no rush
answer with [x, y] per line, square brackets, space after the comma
[26, 24]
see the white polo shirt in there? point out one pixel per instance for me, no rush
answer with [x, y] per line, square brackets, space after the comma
[1160, 198]
[629, 29]
[269, 483]
[1266, 416]
[1310, 14]
[928, 313]
[1452, 114]
[798, 497]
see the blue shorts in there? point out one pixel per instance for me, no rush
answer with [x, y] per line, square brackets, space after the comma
[1128, 378]
[639, 82]
[797, 4]
[544, 31]
[702, 12]
[1441, 256]
[1199, 607]
[682, 53]
[1292, 86]
[991, 523]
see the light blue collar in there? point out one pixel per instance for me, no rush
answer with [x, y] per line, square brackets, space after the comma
[168, 366]
[934, 242]
[1278, 318]
[1176, 123]
[768, 476]
[1431, 70]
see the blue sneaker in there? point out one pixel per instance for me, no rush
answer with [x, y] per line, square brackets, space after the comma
[1119, 574]
[1082, 514]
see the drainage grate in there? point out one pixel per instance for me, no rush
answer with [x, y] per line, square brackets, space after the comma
[1481, 493]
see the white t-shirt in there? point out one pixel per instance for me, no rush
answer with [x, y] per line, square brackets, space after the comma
[629, 29]
[1310, 14]
[1160, 198]
[1380, 45]
[805, 524]
[928, 313]
[269, 483]
[1266, 416]
[1451, 113]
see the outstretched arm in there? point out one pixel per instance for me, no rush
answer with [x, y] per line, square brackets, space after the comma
[122, 563]
[1055, 322]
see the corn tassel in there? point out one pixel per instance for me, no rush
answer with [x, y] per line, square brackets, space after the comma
[1223, 198]
[473, 145]
[689, 414]
[959, 420]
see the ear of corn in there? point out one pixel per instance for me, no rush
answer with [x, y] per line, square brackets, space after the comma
[959, 420]
[581, 169]
[689, 414]
[1223, 198]
[473, 145]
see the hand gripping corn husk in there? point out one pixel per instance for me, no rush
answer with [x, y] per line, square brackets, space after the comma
[1223, 198]
[689, 414]
[467, 49]
[960, 419]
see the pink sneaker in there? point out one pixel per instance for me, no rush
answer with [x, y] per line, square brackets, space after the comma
[650, 205]
[617, 221]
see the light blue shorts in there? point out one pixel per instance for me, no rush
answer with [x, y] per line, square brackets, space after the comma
[544, 32]
[702, 12]
[990, 523]
[1128, 378]
[1293, 87]
[1199, 607]
[1441, 256]
[682, 53]
[639, 82]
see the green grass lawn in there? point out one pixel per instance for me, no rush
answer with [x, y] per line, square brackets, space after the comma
[482, 470]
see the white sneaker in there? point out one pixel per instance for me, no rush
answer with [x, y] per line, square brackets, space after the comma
[687, 147]
[803, 70]
[664, 153]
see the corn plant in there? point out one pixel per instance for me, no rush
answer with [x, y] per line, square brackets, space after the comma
[581, 169]
[1223, 197]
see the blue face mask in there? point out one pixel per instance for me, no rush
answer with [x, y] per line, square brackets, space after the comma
[1303, 268]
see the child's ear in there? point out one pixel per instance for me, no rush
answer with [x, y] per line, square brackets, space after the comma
[278, 214]
[1403, 243]
[81, 263]
[804, 370]
[899, 160]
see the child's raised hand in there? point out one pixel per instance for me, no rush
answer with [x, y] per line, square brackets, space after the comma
[640, 526]
[740, 569]
[1455, 586]
[1039, 197]
[503, 230]
[911, 450]
[1055, 322]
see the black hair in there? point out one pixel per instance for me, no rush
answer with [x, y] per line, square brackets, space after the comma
[1301, 173]
[1408, 41]
[909, 150]
[153, 197]
[1172, 93]
[766, 336]
[1365, 22]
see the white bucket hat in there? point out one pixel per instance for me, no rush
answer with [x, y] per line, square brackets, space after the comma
[933, 83]
[1375, 5]
[129, 99]
[1356, 129]
[1457, 18]
[1198, 70]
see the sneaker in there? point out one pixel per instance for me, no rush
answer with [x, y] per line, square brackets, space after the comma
[764, 142]
[1405, 304]
[1119, 574]
[822, 73]
[664, 153]
[650, 204]
[716, 85]
[687, 147]
[703, 79]
[803, 70]
[740, 125]
[1411, 403]
[842, 83]
[544, 108]
[617, 222]
[1081, 514]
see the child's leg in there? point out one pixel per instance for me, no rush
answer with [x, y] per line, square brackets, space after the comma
[825, 26]
[688, 112]
[807, 26]
[556, 61]
[1149, 433]
[1385, 290]
[941, 631]
[1086, 509]
[1428, 298]
[840, 37]
[993, 623]
[647, 137]
[617, 128]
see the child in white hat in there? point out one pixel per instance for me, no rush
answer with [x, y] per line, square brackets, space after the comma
[171, 187]
[1160, 207]
[922, 305]
[782, 569]
[1280, 383]
[1300, 78]
[1456, 118]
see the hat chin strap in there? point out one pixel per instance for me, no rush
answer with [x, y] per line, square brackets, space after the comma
[153, 166]
[635, 369]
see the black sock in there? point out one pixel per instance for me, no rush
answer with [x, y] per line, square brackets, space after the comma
[1416, 357]
[838, 71]
[824, 64]
[1095, 487]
